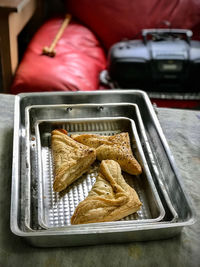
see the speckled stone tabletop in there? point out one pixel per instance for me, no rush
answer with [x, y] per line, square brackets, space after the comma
[182, 130]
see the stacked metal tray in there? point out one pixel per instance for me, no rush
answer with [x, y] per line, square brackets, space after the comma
[55, 210]
[42, 216]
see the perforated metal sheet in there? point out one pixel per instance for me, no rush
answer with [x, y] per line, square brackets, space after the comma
[56, 209]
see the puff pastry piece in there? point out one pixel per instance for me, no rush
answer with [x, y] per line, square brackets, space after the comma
[110, 198]
[116, 147]
[71, 159]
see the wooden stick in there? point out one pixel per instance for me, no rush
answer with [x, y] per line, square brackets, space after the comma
[50, 51]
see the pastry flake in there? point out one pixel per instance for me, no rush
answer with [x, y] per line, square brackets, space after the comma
[110, 198]
[71, 159]
[116, 147]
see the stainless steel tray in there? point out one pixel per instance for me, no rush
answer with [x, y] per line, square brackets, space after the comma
[54, 209]
[114, 231]
[39, 112]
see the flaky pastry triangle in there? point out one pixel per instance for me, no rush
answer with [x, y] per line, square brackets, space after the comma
[110, 198]
[116, 147]
[71, 159]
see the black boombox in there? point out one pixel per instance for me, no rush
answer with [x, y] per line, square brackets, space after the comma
[165, 59]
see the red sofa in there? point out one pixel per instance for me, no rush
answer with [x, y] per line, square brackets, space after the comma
[96, 25]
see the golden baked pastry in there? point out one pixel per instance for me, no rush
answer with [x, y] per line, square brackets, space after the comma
[110, 198]
[71, 159]
[116, 147]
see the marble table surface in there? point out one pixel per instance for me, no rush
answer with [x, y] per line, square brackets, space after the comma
[182, 130]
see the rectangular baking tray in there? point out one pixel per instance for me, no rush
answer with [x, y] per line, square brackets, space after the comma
[30, 216]
[56, 111]
[56, 108]
[35, 113]
[54, 209]
[81, 235]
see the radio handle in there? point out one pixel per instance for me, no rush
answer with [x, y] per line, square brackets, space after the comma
[146, 32]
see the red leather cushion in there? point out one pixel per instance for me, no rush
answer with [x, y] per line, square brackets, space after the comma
[76, 66]
[114, 20]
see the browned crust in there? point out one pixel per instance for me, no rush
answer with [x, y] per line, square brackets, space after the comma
[116, 147]
[71, 159]
[110, 199]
